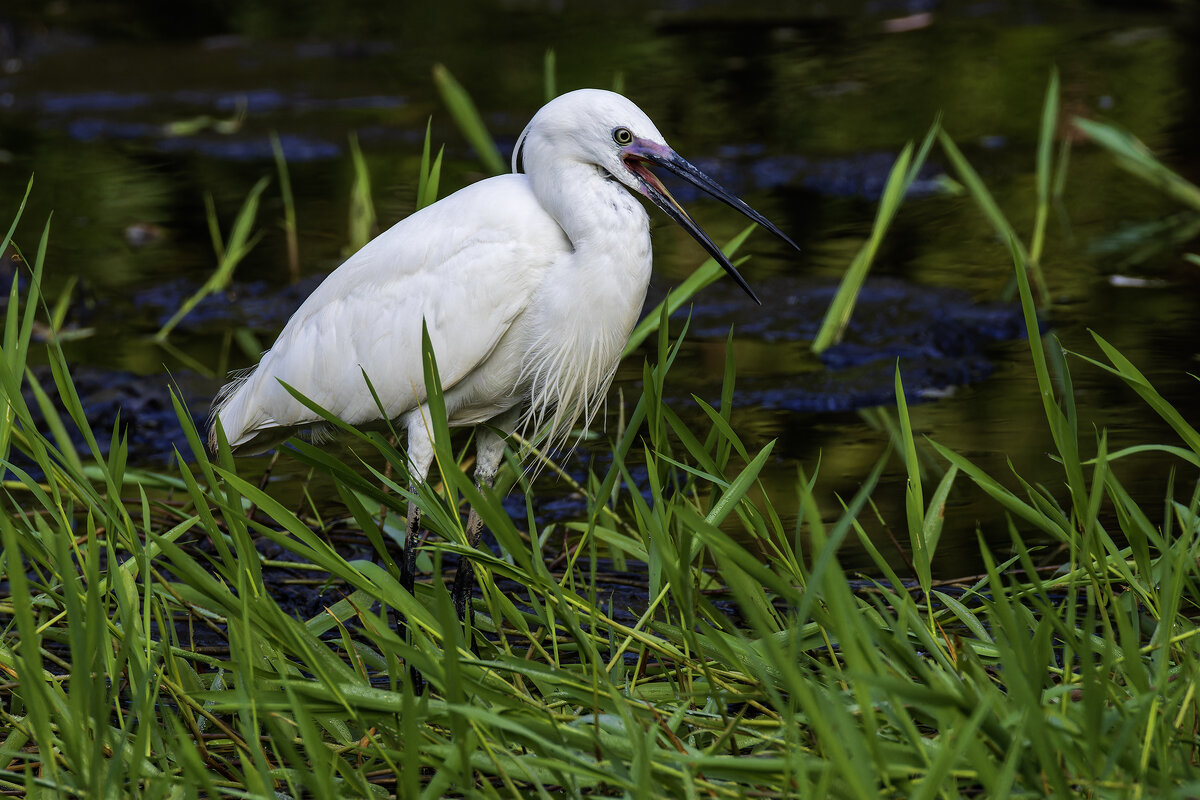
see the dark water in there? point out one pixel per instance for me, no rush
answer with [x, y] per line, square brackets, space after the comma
[128, 120]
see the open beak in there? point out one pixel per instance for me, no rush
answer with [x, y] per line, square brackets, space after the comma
[644, 151]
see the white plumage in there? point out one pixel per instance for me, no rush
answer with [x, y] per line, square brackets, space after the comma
[471, 266]
[529, 285]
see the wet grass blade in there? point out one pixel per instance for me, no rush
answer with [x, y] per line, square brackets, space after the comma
[904, 172]
[242, 240]
[289, 208]
[549, 76]
[987, 204]
[1061, 419]
[705, 274]
[430, 175]
[1133, 156]
[362, 219]
[466, 115]
[17, 332]
[1124, 369]
[1044, 168]
[914, 496]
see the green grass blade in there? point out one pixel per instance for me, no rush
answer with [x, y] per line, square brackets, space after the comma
[466, 115]
[914, 496]
[1044, 168]
[1134, 157]
[549, 76]
[987, 204]
[362, 218]
[289, 208]
[904, 172]
[705, 274]
[427, 181]
[241, 241]
[1124, 369]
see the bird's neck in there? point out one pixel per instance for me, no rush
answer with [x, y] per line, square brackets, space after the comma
[597, 291]
[595, 211]
[580, 321]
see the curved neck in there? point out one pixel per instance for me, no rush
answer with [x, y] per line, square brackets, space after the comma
[587, 204]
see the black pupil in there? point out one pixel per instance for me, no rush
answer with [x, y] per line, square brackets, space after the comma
[623, 136]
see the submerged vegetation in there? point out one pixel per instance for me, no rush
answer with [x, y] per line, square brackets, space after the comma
[143, 656]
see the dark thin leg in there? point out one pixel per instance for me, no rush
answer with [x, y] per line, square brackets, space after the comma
[489, 449]
[412, 535]
[408, 578]
[464, 581]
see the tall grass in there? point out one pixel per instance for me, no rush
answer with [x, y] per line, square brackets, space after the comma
[906, 169]
[291, 235]
[1077, 682]
[361, 218]
[146, 653]
[903, 173]
[230, 252]
[466, 115]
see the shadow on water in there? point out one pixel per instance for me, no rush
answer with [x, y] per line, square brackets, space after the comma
[128, 121]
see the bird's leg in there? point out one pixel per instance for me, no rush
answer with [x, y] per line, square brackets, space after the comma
[464, 581]
[408, 562]
[412, 535]
[420, 458]
[488, 452]
[408, 579]
[420, 455]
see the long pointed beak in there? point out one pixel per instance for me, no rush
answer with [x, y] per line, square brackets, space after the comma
[641, 151]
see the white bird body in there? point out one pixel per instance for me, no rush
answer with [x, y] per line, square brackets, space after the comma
[510, 305]
[520, 313]
[529, 285]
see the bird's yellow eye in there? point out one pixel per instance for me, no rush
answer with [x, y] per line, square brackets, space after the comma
[622, 136]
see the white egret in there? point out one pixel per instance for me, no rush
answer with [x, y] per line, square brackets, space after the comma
[529, 283]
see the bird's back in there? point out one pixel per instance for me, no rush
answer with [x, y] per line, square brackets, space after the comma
[468, 265]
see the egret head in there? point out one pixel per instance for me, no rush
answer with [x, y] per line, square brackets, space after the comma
[608, 131]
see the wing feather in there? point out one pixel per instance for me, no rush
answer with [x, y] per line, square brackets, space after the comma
[468, 265]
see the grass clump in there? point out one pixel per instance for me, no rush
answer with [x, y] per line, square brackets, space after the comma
[188, 633]
[145, 657]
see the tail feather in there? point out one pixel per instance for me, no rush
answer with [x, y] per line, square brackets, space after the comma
[228, 408]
